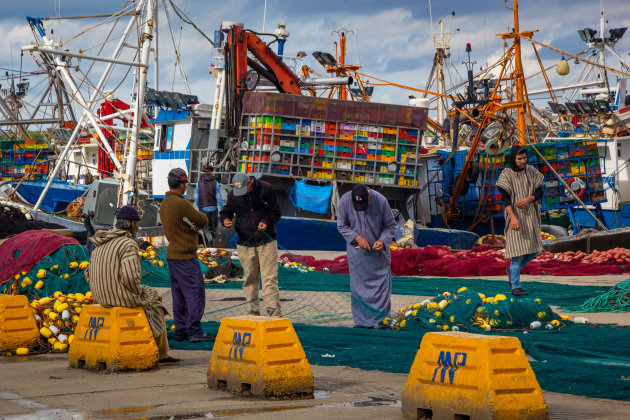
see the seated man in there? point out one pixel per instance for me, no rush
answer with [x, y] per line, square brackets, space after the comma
[114, 276]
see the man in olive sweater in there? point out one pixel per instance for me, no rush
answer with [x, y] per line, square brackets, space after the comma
[187, 287]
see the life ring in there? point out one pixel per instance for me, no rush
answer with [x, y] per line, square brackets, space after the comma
[577, 185]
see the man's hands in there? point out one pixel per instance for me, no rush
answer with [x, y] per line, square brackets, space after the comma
[228, 224]
[523, 202]
[363, 243]
[514, 224]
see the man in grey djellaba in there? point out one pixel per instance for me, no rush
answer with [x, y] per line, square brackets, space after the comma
[366, 222]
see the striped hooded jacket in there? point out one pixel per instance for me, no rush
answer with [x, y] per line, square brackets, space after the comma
[114, 277]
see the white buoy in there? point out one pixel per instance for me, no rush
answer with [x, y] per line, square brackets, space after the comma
[534, 325]
[54, 330]
[580, 320]
[62, 338]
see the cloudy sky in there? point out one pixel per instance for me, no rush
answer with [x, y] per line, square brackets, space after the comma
[392, 39]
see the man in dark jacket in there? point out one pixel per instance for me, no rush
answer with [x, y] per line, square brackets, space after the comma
[209, 201]
[257, 212]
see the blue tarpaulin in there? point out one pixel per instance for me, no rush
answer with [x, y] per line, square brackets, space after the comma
[310, 197]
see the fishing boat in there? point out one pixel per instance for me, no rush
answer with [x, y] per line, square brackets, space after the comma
[307, 132]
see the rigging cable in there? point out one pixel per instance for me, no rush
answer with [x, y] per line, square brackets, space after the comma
[187, 20]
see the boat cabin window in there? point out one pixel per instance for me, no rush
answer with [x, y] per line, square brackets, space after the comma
[166, 137]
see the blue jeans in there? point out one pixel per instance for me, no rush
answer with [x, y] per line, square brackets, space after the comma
[516, 265]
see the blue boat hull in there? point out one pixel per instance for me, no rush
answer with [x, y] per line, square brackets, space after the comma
[309, 234]
[456, 239]
[57, 198]
[322, 235]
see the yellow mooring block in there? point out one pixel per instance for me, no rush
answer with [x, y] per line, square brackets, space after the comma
[113, 339]
[472, 376]
[17, 325]
[260, 355]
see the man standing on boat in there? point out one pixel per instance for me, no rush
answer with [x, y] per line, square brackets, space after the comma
[187, 287]
[366, 221]
[114, 276]
[520, 186]
[257, 212]
[209, 201]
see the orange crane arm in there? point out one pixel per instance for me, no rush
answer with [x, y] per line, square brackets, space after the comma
[286, 81]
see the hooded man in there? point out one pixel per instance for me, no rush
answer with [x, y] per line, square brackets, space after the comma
[520, 186]
[257, 211]
[209, 201]
[114, 276]
[366, 222]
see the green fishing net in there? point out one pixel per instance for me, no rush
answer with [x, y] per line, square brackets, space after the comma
[154, 266]
[61, 270]
[576, 359]
[469, 310]
[617, 299]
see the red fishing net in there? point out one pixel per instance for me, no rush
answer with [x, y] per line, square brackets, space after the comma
[438, 260]
[23, 251]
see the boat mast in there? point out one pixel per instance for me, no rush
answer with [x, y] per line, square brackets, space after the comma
[129, 175]
[87, 112]
[520, 80]
[442, 48]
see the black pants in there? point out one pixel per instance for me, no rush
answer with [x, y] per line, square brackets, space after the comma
[213, 222]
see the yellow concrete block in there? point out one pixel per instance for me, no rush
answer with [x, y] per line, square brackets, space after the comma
[113, 339]
[17, 325]
[462, 375]
[260, 355]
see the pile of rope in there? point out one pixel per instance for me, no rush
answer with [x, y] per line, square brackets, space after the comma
[75, 208]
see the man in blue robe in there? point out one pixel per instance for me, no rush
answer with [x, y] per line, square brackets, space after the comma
[366, 222]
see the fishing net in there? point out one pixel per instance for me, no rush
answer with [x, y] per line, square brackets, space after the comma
[154, 266]
[617, 299]
[54, 285]
[577, 359]
[439, 260]
[62, 270]
[469, 310]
